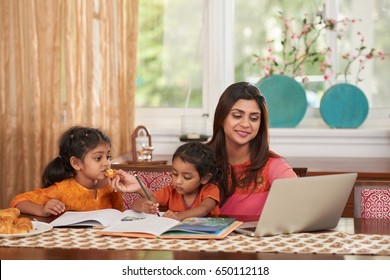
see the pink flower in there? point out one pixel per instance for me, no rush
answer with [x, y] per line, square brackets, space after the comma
[299, 48]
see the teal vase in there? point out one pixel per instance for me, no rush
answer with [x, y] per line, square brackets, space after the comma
[344, 106]
[286, 100]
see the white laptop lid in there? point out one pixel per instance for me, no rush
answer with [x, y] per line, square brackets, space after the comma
[304, 204]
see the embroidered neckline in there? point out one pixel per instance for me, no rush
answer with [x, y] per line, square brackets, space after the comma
[261, 180]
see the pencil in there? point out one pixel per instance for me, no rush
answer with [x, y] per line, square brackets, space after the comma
[145, 192]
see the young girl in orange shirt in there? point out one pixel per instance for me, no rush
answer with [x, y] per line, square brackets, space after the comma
[75, 180]
[193, 193]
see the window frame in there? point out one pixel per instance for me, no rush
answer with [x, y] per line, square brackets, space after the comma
[218, 73]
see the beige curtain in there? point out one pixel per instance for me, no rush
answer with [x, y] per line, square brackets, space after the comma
[62, 63]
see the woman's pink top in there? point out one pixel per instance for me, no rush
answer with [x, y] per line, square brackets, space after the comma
[250, 200]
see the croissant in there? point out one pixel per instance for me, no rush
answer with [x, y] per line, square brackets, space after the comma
[11, 223]
[9, 214]
[22, 225]
[5, 226]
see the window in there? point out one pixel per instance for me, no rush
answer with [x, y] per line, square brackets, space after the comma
[169, 54]
[196, 49]
[250, 39]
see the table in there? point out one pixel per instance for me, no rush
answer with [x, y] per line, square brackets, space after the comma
[347, 225]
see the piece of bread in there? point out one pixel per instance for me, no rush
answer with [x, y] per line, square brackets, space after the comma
[5, 226]
[9, 214]
[22, 225]
[11, 223]
[110, 173]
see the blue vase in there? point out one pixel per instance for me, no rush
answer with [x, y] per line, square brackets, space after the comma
[344, 106]
[286, 100]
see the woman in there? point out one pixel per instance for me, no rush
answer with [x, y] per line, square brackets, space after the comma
[241, 145]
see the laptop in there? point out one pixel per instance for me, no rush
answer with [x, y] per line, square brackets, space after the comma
[302, 204]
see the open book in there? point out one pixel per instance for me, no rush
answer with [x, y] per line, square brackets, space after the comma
[152, 226]
[134, 224]
[96, 218]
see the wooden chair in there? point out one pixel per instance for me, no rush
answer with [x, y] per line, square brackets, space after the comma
[152, 176]
[300, 171]
[372, 200]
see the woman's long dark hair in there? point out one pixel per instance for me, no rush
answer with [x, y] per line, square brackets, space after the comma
[259, 146]
[76, 141]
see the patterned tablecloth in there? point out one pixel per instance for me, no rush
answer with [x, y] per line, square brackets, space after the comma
[329, 242]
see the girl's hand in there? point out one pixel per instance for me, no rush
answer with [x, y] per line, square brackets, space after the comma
[150, 207]
[124, 182]
[172, 215]
[53, 207]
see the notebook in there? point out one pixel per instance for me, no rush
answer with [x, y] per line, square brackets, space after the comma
[302, 204]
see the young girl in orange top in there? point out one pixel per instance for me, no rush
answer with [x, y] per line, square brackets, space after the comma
[193, 193]
[75, 180]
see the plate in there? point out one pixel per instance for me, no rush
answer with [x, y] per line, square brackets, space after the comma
[38, 228]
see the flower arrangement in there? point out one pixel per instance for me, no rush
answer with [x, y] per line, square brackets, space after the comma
[298, 48]
[362, 54]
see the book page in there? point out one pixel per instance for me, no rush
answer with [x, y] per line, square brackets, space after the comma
[203, 225]
[103, 217]
[151, 224]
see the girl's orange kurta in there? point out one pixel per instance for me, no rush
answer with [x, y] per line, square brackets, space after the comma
[75, 196]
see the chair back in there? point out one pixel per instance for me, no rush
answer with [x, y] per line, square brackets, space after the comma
[372, 200]
[152, 176]
[300, 171]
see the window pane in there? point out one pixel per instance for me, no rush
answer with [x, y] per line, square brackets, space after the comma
[373, 22]
[256, 23]
[169, 54]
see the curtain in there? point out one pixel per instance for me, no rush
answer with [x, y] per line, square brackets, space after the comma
[62, 63]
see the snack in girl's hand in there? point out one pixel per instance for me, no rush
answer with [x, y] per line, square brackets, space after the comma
[110, 173]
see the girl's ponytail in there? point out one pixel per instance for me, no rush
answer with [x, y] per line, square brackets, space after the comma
[54, 172]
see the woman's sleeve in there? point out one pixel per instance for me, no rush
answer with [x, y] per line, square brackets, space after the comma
[279, 169]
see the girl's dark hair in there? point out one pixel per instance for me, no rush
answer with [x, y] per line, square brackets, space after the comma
[74, 142]
[201, 157]
[259, 146]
